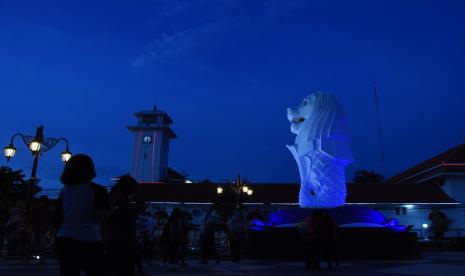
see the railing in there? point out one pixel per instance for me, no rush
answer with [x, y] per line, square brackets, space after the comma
[221, 241]
[425, 234]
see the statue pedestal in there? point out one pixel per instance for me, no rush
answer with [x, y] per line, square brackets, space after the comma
[363, 234]
[340, 216]
[286, 243]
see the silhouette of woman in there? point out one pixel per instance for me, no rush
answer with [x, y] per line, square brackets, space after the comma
[83, 206]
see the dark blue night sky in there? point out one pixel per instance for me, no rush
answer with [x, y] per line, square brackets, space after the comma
[226, 71]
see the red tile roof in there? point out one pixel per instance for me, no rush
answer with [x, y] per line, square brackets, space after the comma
[450, 161]
[397, 193]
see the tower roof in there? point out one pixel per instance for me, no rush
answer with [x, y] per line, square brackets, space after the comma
[154, 113]
[153, 119]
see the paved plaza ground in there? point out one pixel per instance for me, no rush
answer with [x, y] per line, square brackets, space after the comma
[432, 263]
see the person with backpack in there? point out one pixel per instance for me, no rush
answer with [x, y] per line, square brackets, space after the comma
[82, 208]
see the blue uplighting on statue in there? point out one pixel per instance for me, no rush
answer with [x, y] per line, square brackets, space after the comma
[321, 150]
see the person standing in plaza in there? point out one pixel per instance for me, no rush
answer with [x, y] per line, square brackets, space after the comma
[314, 235]
[207, 239]
[120, 228]
[237, 232]
[176, 234]
[13, 230]
[83, 205]
[41, 216]
[186, 225]
[165, 244]
[331, 242]
[3, 218]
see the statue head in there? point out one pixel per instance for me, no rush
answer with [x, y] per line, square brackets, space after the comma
[320, 125]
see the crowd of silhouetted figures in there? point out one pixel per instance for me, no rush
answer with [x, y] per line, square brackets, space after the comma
[100, 233]
[320, 236]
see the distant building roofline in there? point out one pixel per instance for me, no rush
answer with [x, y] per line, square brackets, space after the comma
[450, 161]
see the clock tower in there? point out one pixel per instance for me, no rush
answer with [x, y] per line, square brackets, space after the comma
[150, 149]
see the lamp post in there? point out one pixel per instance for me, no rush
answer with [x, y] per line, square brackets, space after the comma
[37, 144]
[240, 188]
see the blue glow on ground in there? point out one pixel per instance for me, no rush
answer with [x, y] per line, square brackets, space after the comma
[347, 215]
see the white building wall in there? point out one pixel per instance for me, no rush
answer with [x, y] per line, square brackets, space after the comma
[454, 186]
[417, 215]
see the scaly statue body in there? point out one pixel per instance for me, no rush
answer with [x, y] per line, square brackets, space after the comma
[321, 150]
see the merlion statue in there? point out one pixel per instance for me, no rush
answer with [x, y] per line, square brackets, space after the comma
[321, 150]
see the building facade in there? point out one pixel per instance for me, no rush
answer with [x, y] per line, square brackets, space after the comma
[410, 196]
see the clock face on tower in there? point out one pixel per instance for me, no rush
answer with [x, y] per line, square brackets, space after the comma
[147, 139]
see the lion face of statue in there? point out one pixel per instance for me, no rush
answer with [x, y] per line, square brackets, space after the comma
[298, 115]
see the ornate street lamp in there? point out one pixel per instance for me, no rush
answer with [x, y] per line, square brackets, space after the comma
[239, 188]
[37, 145]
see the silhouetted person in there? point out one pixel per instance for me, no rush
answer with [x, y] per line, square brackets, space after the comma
[176, 233]
[146, 229]
[3, 219]
[185, 221]
[13, 230]
[140, 208]
[315, 228]
[439, 224]
[330, 242]
[41, 216]
[207, 240]
[84, 205]
[120, 228]
[165, 243]
[237, 231]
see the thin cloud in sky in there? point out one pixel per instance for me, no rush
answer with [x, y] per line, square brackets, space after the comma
[180, 25]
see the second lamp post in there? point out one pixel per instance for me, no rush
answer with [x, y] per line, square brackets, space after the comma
[240, 188]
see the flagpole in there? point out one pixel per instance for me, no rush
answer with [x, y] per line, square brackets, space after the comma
[380, 131]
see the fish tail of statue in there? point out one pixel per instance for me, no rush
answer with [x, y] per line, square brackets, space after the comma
[323, 183]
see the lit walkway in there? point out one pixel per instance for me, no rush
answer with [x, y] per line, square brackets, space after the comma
[435, 263]
[446, 263]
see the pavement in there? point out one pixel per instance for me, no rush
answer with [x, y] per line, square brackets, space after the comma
[432, 263]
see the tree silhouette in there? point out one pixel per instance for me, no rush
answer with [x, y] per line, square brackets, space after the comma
[13, 188]
[366, 176]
